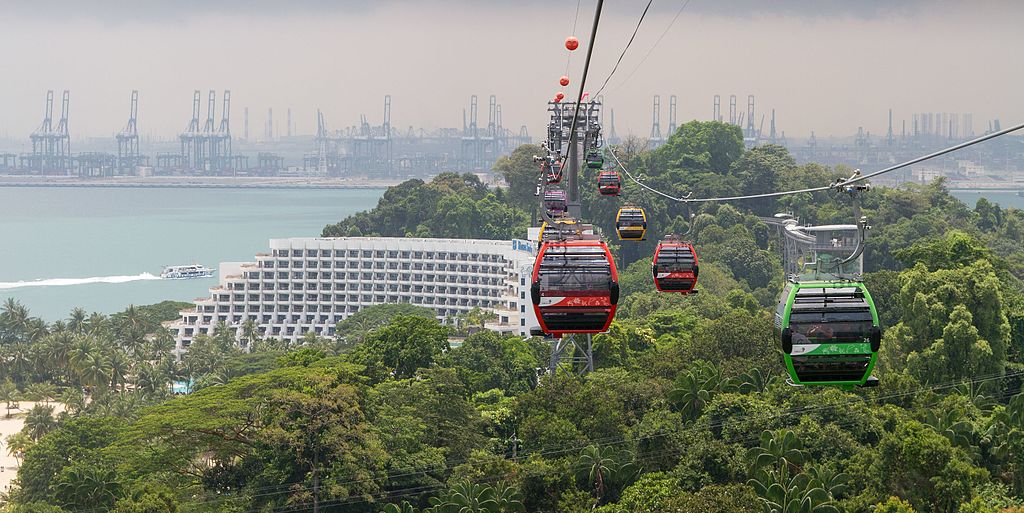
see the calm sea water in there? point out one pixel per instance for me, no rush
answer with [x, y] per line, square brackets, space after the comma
[116, 235]
[1003, 199]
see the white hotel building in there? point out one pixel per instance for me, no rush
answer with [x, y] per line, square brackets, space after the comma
[310, 284]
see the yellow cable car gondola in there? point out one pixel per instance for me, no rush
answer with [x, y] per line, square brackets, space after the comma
[631, 223]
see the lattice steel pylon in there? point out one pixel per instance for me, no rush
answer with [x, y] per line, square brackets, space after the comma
[580, 357]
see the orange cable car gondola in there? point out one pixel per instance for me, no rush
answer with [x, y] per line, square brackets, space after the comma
[675, 267]
[609, 183]
[575, 287]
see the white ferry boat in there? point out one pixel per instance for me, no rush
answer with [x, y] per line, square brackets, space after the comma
[186, 272]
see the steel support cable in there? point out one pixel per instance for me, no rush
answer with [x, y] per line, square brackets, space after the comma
[840, 183]
[583, 78]
[649, 52]
[575, 19]
[618, 440]
[394, 494]
[628, 44]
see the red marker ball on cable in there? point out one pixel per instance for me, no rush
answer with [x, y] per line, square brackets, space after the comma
[564, 81]
[559, 96]
[571, 43]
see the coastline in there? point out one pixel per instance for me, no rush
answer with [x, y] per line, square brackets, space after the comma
[195, 182]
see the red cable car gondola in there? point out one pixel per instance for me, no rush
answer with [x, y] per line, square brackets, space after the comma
[609, 183]
[675, 267]
[552, 172]
[555, 202]
[575, 287]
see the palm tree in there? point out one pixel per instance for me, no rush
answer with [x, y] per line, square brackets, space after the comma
[160, 344]
[780, 493]
[96, 323]
[73, 400]
[250, 333]
[76, 320]
[59, 346]
[19, 363]
[752, 381]
[696, 387]
[119, 367]
[508, 499]
[17, 444]
[597, 465]
[466, 497]
[35, 329]
[8, 394]
[91, 485]
[14, 320]
[39, 421]
[784, 451]
[405, 507]
[44, 391]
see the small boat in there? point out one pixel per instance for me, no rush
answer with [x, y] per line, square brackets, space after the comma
[186, 272]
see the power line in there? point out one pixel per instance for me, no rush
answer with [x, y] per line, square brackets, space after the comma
[841, 183]
[628, 44]
[649, 52]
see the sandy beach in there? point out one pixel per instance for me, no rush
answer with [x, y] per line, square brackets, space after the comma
[10, 426]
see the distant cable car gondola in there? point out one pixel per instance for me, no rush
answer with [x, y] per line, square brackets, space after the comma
[631, 223]
[575, 287]
[830, 333]
[675, 267]
[609, 183]
[560, 228]
[595, 160]
[552, 171]
[555, 202]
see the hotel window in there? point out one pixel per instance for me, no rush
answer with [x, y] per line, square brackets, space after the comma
[311, 252]
[296, 252]
[325, 252]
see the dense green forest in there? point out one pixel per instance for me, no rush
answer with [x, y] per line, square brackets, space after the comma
[687, 411]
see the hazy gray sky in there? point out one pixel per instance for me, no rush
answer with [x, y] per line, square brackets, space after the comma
[824, 65]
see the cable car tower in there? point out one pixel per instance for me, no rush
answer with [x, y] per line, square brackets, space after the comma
[572, 351]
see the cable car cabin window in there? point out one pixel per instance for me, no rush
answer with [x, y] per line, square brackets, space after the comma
[831, 331]
[584, 271]
[675, 260]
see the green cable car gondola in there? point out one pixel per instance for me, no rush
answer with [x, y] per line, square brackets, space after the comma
[830, 333]
[595, 160]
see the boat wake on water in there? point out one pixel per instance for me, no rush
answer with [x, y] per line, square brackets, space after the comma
[57, 282]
